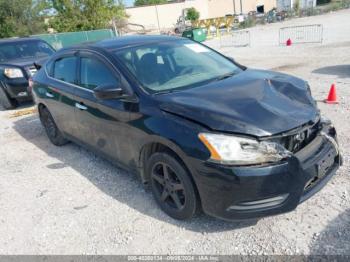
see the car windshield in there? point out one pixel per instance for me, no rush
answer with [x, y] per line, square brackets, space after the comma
[175, 65]
[24, 50]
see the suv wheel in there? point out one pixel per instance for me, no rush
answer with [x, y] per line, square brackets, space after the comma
[52, 131]
[172, 186]
[6, 101]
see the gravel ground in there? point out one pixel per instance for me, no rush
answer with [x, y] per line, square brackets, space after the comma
[66, 200]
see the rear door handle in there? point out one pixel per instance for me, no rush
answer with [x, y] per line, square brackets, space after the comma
[48, 94]
[80, 106]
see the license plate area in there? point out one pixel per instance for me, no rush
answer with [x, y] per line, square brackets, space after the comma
[322, 167]
[326, 163]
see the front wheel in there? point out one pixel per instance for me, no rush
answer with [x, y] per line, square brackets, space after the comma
[52, 131]
[172, 186]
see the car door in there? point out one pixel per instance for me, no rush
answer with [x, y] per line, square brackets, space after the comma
[102, 124]
[59, 92]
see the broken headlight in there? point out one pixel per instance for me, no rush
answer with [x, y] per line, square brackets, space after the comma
[234, 150]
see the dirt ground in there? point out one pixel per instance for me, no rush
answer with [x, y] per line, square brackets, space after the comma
[66, 200]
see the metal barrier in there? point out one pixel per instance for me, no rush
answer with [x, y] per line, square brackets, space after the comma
[236, 39]
[60, 40]
[301, 34]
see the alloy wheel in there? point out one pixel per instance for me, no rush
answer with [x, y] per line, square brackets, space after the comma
[169, 187]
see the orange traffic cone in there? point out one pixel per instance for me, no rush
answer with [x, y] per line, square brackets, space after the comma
[332, 96]
[289, 42]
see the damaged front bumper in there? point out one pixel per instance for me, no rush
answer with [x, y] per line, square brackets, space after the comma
[236, 193]
[17, 89]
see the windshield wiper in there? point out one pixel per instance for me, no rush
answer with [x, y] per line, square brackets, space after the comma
[222, 77]
[165, 92]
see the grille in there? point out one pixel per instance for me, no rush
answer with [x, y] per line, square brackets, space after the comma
[32, 71]
[297, 141]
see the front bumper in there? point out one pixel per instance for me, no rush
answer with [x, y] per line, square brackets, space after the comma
[17, 89]
[236, 193]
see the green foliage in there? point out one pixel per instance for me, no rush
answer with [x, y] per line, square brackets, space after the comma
[149, 2]
[21, 17]
[192, 14]
[296, 6]
[81, 15]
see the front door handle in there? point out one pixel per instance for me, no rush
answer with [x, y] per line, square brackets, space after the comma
[80, 106]
[48, 94]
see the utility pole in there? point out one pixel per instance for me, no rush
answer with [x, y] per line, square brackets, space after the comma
[234, 7]
[157, 18]
[241, 7]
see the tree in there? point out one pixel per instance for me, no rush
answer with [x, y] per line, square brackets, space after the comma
[149, 2]
[21, 17]
[81, 15]
[192, 14]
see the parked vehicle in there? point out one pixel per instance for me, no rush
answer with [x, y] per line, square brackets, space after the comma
[273, 16]
[204, 131]
[17, 57]
[182, 23]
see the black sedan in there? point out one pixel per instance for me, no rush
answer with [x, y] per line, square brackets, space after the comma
[205, 132]
[17, 57]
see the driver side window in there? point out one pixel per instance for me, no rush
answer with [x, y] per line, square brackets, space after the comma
[94, 73]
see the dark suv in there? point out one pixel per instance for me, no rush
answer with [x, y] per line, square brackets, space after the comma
[204, 131]
[17, 57]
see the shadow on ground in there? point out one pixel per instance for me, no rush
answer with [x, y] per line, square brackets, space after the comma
[119, 184]
[342, 71]
[335, 238]
[22, 105]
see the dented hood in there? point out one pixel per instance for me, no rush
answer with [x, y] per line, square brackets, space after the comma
[254, 102]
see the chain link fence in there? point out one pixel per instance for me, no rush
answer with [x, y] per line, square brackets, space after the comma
[301, 34]
[60, 40]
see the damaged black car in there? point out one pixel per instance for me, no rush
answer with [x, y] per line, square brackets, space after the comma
[204, 131]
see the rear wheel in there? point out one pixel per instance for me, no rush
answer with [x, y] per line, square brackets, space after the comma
[52, 131]
[6, 101]
[172, 186]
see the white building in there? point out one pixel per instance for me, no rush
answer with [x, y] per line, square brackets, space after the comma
[289, 4]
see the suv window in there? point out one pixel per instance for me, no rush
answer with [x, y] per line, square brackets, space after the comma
[94, 73]
[65, 69]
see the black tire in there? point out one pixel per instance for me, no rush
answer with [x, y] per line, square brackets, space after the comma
[52, 131]
[6, 101]
[173, 190]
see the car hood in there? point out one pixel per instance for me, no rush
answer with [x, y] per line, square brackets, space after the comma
[25, 62]
[254, 102]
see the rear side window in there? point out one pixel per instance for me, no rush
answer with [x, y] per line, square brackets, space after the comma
[64, 69]
[94, 73]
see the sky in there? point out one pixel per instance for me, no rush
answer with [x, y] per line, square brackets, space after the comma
[128, 2]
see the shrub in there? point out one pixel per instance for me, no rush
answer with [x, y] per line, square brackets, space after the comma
[192, 14]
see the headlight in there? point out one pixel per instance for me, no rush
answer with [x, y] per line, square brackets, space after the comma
[234, 150]
[13, 73]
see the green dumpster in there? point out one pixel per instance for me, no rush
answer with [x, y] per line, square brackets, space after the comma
[196, 34]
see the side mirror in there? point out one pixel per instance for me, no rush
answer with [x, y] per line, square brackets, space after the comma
[37, 65]
[108, 92]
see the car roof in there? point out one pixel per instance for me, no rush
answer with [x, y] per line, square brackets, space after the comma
[21, 39]
[125, 41]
